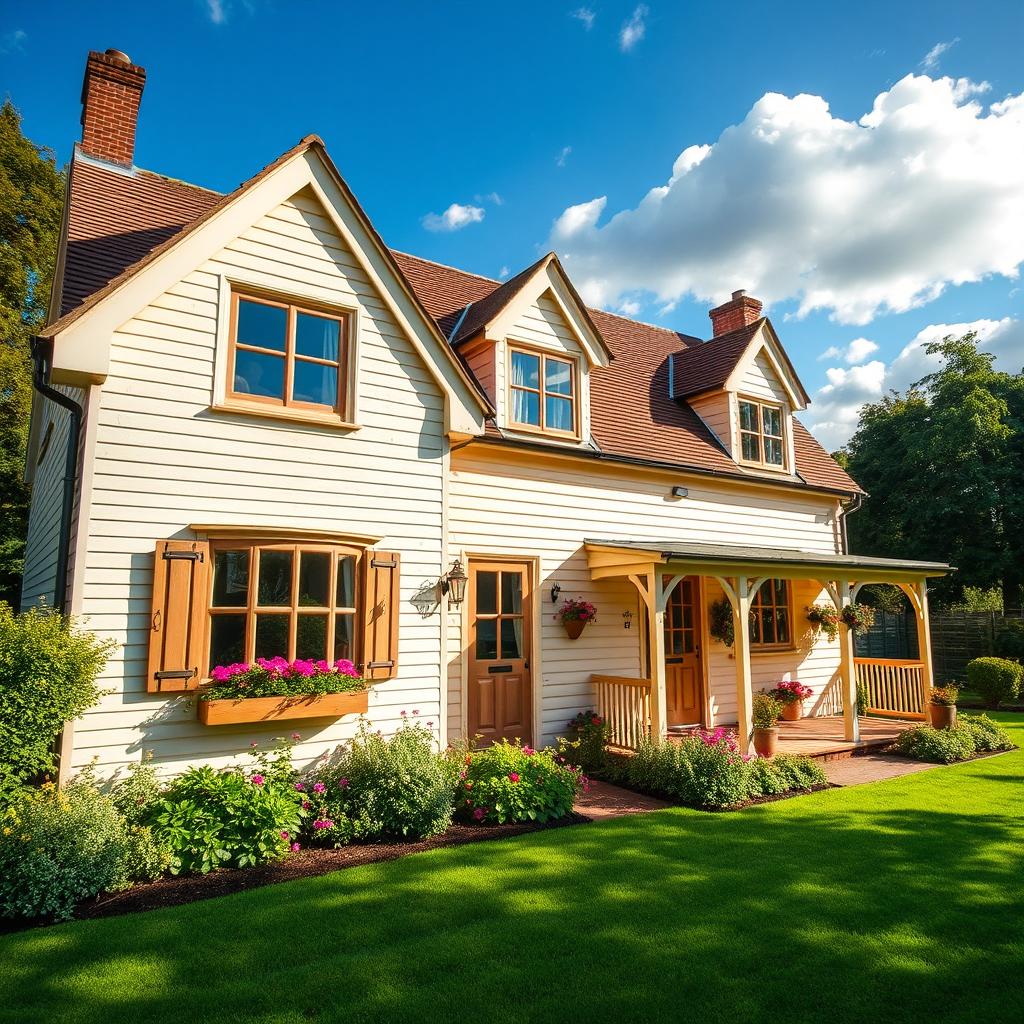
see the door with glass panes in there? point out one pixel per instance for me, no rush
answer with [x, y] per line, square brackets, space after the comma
[684, 675]
[499, 698]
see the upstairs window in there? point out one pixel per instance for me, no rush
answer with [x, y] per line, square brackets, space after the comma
[288, 356]
[761, 433]
[542, 392]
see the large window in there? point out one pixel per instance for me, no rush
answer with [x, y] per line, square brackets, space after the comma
[288, 356]
[542, 392]
[771, 620]
[287, 600]
[761, 433]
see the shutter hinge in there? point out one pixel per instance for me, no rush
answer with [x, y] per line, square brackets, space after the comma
[380, 563]
[190, 556]
[179, 673]
[380, 664]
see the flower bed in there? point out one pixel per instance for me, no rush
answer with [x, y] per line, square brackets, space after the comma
[973, 735]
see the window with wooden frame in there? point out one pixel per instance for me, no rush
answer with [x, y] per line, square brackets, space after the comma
[226, 601]
[762, 438]
[288, 356]
[542, 392]
[771, 617]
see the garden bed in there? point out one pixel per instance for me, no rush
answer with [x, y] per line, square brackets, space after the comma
[173, 891]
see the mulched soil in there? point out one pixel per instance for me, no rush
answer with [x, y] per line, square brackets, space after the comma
[752, 802]
[175, 891]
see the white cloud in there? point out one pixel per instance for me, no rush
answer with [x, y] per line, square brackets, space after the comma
[504, 272]
[490, 197]
[563, 156]
[454, 218]
[856, 352]
[13, 42]
[933, 56]
[854, 217]
[634, 29]
[837, 405]
[585, 15]
[630, 307]
[217, 11]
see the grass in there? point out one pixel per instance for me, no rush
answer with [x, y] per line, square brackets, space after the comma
[901, 900]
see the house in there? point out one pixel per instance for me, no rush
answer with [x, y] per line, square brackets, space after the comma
[259, 431]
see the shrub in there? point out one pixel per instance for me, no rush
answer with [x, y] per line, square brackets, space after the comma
[507, 782]
[61, 846]
[766, 710]
[942, 746]
[1009, 642]
[996, 679]
[48, 671]
[985, 734]
[395, 787]
[231, 818]
[586, 746]
[944, 696]
[784, 773]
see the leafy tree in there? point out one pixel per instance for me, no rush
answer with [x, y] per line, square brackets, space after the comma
[944, 467]
[31, 198]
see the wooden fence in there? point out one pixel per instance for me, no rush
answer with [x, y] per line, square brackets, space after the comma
[894, 686]
[626, 706]
[959, 637]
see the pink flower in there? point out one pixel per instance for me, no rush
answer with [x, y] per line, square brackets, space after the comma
[343, 783]
[299, 787]
[254, 744]
[529, 751]
[319, 787]
[403, 713]
[344, 667]
[257, 780]
[415, 712]
[322, 823]
[296, 847]
[305, 805]
[284, 834]
[479, 814]
[462, 774]
[296, 737]
[513, 776]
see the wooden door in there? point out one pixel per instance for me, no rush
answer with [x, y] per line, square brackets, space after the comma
[684, 674]
[500, 627]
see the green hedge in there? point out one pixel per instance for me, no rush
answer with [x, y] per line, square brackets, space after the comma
[996, 679]
[973, 734]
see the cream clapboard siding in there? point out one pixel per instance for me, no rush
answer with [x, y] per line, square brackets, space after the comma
[43, 537]
[164, 460]
[514, 506]
[716, 412]
[759, 381]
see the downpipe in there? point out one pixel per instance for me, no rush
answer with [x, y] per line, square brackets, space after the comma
[847, 510]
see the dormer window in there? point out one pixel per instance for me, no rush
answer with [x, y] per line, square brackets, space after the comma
[762, 441]
[542, 392]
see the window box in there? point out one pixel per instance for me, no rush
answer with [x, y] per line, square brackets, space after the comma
[281, 709]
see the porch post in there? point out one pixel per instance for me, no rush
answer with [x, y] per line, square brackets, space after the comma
[741, 648]
[924, 640]
[847, 668]
[656, 647]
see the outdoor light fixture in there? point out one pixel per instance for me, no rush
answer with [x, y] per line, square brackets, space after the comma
[453, 583]
[679, 492]
[555, 591]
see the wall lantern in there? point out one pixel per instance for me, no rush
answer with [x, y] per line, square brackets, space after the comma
[453, 583]
[679, 492]
[555, 591]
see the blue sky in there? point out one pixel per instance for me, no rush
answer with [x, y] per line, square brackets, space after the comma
[853, 229]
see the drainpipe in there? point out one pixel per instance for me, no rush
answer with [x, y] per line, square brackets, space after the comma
[847, 510]
[42, 359]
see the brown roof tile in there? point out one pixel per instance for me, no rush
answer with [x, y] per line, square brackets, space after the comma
[707, 366]
[117, 219]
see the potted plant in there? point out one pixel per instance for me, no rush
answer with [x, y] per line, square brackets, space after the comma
[574, 615]
[825, 618]
[791, 695]
[271, 690]
[942, 706]
[765, 713]
[720, 623]
[858, 617]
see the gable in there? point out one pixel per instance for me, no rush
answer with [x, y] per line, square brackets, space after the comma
[82, 338]
[543, 324]
[765, 367]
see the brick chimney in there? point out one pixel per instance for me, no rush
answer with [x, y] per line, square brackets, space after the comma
[111, 93]
[740, 311]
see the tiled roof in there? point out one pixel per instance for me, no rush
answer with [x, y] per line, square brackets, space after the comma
[707, 366]
[484, 310]
[118, 218]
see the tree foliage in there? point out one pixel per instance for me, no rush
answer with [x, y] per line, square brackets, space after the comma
[943, 465]
[31, 198]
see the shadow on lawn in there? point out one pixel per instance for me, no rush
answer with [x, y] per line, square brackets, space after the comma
[833, 912]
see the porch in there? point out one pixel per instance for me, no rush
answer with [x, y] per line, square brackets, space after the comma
[889, 691]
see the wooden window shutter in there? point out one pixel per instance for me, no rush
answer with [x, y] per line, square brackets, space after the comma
[181, 584]
[381, 571]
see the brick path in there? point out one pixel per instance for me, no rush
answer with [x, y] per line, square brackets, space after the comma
[853, 771]
[607, 801]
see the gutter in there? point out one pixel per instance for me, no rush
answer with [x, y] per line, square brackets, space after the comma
[42, 362]
[848, 508]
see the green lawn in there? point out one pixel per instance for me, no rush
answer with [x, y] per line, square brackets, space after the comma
[899, 901]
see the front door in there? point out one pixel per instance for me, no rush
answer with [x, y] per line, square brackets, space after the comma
[684, 676]
[499, 652]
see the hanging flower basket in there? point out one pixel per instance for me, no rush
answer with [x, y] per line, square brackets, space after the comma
[278, 690]
[574, 615]
[824, 618]
[858, 617]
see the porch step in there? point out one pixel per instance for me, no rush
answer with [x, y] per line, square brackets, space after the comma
[841, 753]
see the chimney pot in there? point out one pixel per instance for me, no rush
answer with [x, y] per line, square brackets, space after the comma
[111, 94]
[740, 311]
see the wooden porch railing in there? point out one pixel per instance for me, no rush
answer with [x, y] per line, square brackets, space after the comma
[895, 686]
[626, 705]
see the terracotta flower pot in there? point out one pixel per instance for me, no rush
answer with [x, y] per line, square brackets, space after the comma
[793, 711]
[573, 628]
[766, 742]
[942, 716]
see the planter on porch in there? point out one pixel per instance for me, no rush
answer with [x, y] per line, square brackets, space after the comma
[942, 716]
[766, 742]
[275, 709]
[793, 711]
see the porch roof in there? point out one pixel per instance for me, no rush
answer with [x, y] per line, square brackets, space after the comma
[622, 557]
